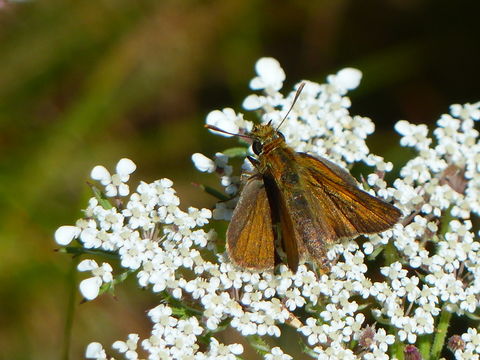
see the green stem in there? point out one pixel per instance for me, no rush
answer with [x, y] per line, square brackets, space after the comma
[424, 346]
[258, 344]
[70, 310]
[441, 333]
[180, 308]
[397, 350]
[78, 250]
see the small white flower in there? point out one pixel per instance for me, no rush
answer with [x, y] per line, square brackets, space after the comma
[129, 347]
[225, 120]
[101, 174]
[95, 351]
[64, 235]
[90, 287]
[203, 163]
[162, 315]
[394, 271]
[115, 184]
[221, 351]
[270, 75]
[313, 331]
[200, 217]
[346, 79]
[383, 340]
[277, 354]
[124, 168]
[413, 135]
[472, 340]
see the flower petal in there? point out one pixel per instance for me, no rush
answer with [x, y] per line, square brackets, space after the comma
[95, 351]
[252, 102]
[270, 73]
[125, 167]
[348, 78]
[222, 121]
[123, 190]
[90, 287]
[87, 265]
[100, 173]
[203, 163]
[120, 346]
[65, 234]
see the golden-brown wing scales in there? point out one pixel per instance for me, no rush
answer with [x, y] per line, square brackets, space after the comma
[250, 237]
[324, 207]
[347, 210]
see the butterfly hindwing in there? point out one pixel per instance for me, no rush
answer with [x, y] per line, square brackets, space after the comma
[250, 236]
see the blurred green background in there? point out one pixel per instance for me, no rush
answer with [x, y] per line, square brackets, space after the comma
[89, 82]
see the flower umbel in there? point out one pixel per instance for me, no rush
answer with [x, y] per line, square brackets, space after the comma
[432, 259]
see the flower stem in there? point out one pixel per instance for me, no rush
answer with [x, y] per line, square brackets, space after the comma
[424, 346]
[258, 344]
[77, 250]
[70, 310]
[441, 332]
[396, 350]
[180, 308]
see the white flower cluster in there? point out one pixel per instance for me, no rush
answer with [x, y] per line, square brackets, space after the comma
[170, 338]
[439, 252]
[442, 182]
[154, 237]
[435, 251]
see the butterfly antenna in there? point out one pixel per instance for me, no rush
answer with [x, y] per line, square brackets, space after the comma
[214, 128]
[297, 94]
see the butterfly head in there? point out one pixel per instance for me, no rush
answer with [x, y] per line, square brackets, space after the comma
[265, 136]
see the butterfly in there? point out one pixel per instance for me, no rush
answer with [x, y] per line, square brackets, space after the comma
[311, 200]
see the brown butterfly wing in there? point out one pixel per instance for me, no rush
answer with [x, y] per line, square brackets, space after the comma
[250, 237]
[290, 239]
[280, 212]
[326, 206]
[352, 210]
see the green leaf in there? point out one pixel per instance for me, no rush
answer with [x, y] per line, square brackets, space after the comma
[109, 287]
[391, 254]
[214, 192]
[472, 316]
[362, 307]
[236, 152]
[375, 252]
[100, 196]
[224, 324]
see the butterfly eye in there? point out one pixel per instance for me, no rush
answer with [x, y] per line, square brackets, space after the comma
[281, 135]
[257, 147]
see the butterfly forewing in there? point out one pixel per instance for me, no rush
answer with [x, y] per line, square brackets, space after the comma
[250, 236]
[346, 210]
[322, 205]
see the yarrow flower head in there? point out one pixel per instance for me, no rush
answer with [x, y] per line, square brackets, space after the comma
[356, 310]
